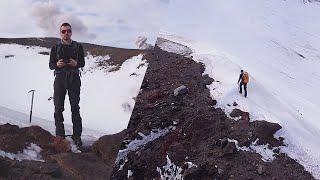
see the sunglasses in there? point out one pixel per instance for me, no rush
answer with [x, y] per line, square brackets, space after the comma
[66, 31]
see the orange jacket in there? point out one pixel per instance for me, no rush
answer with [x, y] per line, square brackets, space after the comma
[245, 77]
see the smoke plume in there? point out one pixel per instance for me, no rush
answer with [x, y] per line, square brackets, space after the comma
[49, 18]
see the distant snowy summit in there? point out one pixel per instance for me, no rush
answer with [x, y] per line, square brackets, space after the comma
[141, 43]
[174, 43]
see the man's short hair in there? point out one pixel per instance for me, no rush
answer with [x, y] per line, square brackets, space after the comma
[241, 69]
[65, 24]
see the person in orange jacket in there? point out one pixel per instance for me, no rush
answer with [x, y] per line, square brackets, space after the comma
[243, 79]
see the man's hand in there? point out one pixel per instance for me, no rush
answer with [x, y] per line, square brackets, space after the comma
[60, 63]
[73, 62]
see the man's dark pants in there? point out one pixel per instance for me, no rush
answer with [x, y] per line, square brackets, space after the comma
[62, 85]
[245, 88]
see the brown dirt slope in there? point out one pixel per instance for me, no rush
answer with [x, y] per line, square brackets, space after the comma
[117, 55]
[202, 131]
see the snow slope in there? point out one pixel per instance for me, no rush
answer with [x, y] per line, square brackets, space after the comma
[106, 98]
[278, 43]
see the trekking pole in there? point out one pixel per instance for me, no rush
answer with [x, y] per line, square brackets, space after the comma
[31, 103]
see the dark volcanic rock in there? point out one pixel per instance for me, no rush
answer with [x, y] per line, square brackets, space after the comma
[107, 147]
[7, 56]
[4, 167]
[265, 130]
[212, 102]
[32, 170]
[44, 53]
[236, 113]
[261, 169]
[192, 173]
[229, 149]
[245, 117]
[180, 90]
[83, 165]
[14, 139]
[197, 137]
[95, 163]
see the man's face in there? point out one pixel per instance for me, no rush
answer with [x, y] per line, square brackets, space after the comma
[65, 32]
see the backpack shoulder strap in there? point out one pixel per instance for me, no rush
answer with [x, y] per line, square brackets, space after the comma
[57, 48]
[76, 45]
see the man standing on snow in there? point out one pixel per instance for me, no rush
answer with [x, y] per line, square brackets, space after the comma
[243, 79]
[66, 57]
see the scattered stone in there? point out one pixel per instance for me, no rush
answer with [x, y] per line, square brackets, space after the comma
[235, 104]
[250, 134]
[212, 102]
[207, 80]
[261, 169]
[281, 139]
[144, 130]
[265, 130]
[192, 173]
[229, 149]
[83, 165]
[220, 172]
[176, 122]
[222, 142]
[107, 147]
[277, 151]
[236, 113]
[134, 74]
[44, 53]
[180, 90]
[7, 56]
[144, 84]
[212, 170]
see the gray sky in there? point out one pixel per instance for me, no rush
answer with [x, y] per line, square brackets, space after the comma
[109, 22]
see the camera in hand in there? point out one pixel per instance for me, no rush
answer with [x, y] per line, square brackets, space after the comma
[68, 52]
[66, 60]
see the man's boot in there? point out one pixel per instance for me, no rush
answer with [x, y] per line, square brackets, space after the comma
[77, 140]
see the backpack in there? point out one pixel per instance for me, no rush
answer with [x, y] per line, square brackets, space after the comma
[58, 47]
[245, 77]
[75, 46]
